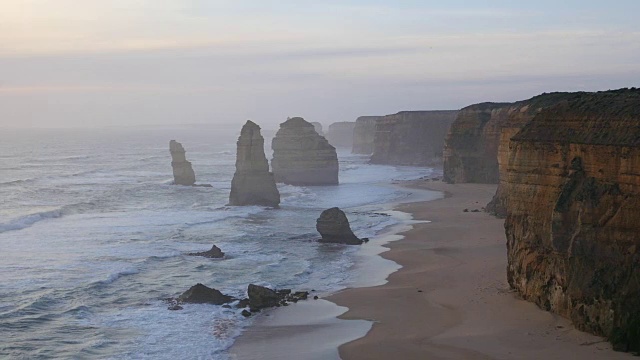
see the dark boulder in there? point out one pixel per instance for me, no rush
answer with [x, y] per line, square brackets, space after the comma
[200, 294]
[214, 253]
[334, 227]
[261, 297]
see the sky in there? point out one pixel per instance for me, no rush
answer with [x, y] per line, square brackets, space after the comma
[97, 63]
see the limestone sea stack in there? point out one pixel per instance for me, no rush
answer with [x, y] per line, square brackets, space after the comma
[572, 199]
[340, 134]
[318, 127]
[303, 157]
[364, 134]
[182, 171]
[334, 227]
[252, 182]
[411, 138]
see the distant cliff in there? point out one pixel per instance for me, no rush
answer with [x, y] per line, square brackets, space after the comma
[364, 134]
[571, 187]
[340, 134]
[411, 137]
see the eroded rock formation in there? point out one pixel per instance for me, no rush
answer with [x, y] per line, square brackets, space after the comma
[411, 137]
[340, 134]
[302, 157]
[214, 253]
[252, 182]
[333, 226]
[182, 171]
[200, 294]
[318, 127]
[572, 199]
[364, 133]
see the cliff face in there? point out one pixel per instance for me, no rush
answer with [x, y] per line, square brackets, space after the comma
[340, 134]
[572, 199]
[364, 134]
[252, 182]
[411, 137]
[302, 157]
[182, 171]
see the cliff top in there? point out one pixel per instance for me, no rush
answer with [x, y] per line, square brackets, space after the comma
[600, 118]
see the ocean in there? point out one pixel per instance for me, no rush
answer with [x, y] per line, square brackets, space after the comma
[94, 236]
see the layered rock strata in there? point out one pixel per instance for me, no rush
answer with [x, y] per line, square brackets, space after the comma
[333, 226]
[364, 134]
[252, 182]
[303, 157]
[340, 134]
[572, 199]
[411, 137]
[182, 171]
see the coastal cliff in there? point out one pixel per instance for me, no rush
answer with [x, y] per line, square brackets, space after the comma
[340, 134]
[571, 187]
[303, 157]
[252, 182]
[411, 137]
[183, 173]
[364, 134]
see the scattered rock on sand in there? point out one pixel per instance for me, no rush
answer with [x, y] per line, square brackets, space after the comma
[334, 227]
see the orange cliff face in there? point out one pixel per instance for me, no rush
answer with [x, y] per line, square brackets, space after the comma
[571, 187]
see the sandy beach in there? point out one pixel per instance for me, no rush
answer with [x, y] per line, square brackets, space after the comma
[450, 300]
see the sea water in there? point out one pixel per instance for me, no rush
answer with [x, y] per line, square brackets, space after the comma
[93, 237]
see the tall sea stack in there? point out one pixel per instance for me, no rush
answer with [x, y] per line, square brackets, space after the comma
[182, 171]
[364, 134]
[303, 157]
[340, 134]
[572, 199]
[252, 182]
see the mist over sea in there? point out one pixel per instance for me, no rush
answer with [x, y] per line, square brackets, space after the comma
[93, 236]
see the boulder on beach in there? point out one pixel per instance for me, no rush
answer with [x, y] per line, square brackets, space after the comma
[200, 294]
[214, 253]
[261, 297]
[334, 227]
[252, 182]
[183, 173]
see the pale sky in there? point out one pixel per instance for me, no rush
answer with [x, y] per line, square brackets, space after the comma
[68, 63]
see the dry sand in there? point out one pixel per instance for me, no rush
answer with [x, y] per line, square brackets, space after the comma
[451, 300]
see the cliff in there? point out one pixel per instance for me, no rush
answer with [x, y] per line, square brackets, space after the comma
[364, 134]
[411, 137]
[572, 200]
[340, 134]
[182, 171]
[303, 157]
[252, 182]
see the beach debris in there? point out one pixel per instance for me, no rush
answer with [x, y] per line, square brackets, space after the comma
[334, 227]
[200, 294]
[214, 253]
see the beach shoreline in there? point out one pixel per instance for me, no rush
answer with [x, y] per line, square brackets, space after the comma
[449, 298]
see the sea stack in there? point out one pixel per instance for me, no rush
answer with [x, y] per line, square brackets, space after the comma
[252, 182]
[572, 199]
[334, 227]
[318, 127]
[303, 157]
[340, 134]
[182, 171]
[363, 134]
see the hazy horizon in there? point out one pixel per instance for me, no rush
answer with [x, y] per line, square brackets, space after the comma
[89, 63]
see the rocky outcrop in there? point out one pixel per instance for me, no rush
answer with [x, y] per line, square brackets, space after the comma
[411, 138]
[252, 182]
[572, 199]
[200, 294]
[364, 133]
[302, 157]
[334, 227]
[261, 297]
[318, 127]
[182, 171]
[340, 134]
[214, 253]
